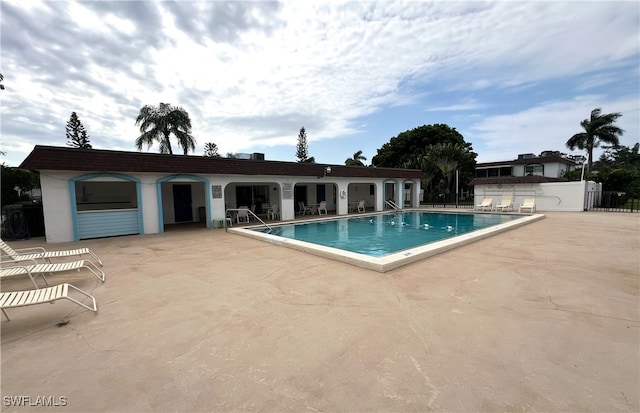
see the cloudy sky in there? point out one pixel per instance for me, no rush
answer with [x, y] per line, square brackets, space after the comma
[512, 77]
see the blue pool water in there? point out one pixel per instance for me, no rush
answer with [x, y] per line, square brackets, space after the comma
[380, 235]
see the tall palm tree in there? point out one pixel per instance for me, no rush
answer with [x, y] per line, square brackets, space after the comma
[357, 159]
[157, 123]
[599, 128]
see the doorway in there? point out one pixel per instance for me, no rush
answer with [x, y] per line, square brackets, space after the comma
[182, 204]
[300, 195]
[321, 193]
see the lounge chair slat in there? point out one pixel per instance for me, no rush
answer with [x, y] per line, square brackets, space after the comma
[59, 290]
[26, 298]
[3, 299]
[7, 272]
[46, 293]
[16, 298]
[13, 297]
[39, 294]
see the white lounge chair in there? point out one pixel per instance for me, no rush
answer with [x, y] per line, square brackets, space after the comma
[361, 207]
[506, 204]
[35, 253]
[36, 269]
[485, 204]
[528, 203]
[45, 295]
[322, 207]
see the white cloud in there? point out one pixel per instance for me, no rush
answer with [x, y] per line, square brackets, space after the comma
[85, 19]
[250, 74]
[462, 105]
[547, 127]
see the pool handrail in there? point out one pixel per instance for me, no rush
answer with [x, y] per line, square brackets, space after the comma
[392, 204]
[250, 212]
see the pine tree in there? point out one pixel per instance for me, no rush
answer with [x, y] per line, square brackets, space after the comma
[211, 150]
[76, 133]
[302, 149]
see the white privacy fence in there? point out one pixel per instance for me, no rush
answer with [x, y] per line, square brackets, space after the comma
[550, 196]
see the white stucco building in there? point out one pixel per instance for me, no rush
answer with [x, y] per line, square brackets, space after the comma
[91, 193]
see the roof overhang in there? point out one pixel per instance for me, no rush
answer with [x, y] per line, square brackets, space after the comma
[54, 158]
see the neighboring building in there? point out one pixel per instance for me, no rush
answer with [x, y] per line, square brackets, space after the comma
[91, 193]
[539, 176]
[553, 167]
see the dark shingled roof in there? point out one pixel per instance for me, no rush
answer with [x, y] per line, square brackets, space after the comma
[544, 159]
[57, 158]
[528, 161]
[493, 164]
[515, 180]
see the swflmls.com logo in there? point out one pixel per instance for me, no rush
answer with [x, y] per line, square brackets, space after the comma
[37, 401]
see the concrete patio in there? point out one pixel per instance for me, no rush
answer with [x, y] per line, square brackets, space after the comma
[541, 318]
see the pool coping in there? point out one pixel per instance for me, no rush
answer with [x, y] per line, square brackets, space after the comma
[390, 261]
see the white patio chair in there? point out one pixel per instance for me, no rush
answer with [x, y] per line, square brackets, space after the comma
[303, 208]
[361, 207]
[274, 212]
[242, 215]
[322, 207]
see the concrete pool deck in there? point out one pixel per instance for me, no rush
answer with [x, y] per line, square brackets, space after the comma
[540, 318]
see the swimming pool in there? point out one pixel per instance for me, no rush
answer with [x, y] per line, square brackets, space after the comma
[385, 241]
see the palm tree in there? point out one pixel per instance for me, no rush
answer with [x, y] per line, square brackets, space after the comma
[444, 159]
[159, 122]
[599, 128]
[356, 160]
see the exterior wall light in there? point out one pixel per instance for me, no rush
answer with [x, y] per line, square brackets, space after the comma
[326, 171]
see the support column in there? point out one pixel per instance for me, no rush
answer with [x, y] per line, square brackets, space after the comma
[342, 200]
[415, 194]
